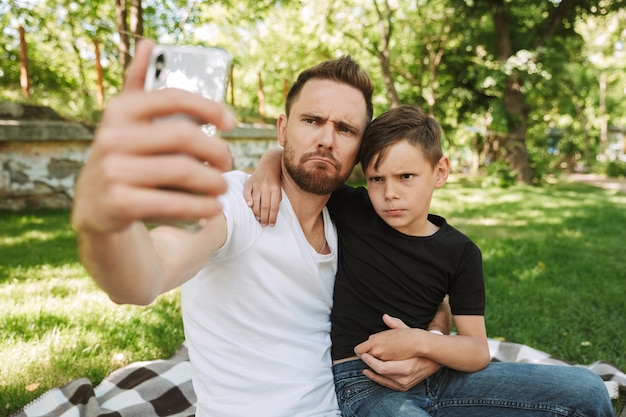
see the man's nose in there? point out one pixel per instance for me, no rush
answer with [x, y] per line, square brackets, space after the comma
[327, 136]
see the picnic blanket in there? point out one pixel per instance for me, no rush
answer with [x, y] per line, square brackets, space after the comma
[163, 387]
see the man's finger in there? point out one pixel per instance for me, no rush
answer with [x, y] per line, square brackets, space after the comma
[136, 73]
[168, 102]
[384, 381]
[394, 322]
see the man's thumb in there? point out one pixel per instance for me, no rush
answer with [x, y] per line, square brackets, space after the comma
[394, 322]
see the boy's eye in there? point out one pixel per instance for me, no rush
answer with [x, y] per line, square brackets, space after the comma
[375, 179]
[407, 176]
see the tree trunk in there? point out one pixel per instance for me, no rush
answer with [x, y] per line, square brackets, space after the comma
[436, 50]
[385, 66]
[604, 123]
[286, 87]
[261, 95]
[136, 19]
[100, 90]
[121, 19]
[515, 150]
[231, 81]
[385, 26]
[24, 79]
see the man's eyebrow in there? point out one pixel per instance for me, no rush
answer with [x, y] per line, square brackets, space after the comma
[312, 116]
[340, 124]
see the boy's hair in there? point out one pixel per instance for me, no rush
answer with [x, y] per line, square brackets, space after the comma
[408, 123]
[344, 70]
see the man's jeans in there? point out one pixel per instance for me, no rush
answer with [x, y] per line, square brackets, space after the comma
[501, 389]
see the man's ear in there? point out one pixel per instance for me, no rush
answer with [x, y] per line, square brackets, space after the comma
[281, 126]
[442, 170]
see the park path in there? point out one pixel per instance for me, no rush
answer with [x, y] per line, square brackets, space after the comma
[597, 180]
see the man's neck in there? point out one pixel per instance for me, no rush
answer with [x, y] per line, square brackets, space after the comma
[307, 206]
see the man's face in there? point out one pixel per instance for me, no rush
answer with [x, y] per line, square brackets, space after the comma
[322, 135]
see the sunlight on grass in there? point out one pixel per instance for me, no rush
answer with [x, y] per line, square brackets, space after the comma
[495, 222]
[33, 235]
[42, 272]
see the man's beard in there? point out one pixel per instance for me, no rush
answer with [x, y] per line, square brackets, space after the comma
[321, 179]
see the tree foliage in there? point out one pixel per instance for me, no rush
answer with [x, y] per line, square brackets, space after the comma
[526, 83]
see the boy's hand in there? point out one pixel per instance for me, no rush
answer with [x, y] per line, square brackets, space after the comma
[389, 354]
[262, 191]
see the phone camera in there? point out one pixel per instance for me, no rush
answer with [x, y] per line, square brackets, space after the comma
[160, 64]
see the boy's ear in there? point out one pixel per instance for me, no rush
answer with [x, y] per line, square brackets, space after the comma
[442, 171]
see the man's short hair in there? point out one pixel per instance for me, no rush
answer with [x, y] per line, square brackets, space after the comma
[344, 70]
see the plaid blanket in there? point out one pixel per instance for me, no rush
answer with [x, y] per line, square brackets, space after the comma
[163, 387]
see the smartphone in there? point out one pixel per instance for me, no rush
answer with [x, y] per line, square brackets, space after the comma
[201, 70]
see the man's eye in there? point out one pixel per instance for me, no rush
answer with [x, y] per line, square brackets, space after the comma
[347, 130]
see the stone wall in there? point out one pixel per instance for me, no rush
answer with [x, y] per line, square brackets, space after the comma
[41, 155]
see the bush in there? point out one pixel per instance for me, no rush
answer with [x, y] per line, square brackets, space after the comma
[500, 175]
[615, 169]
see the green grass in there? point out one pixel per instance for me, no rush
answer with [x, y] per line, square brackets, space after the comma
[554, 266]
[55, 324]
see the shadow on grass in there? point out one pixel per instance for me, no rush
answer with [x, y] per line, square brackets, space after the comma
[35, 238]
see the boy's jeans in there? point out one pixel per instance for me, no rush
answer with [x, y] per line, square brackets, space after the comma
[501, 389]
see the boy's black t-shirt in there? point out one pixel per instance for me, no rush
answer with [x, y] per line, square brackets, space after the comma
[382, 270]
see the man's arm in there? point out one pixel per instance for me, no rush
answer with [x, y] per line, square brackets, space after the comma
[442, 322]
[128, 179]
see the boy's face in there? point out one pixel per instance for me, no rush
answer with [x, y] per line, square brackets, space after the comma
[322, 135]
[402, 186]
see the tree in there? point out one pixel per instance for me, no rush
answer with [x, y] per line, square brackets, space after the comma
[129, 21]
[524, 36]
[24, 80]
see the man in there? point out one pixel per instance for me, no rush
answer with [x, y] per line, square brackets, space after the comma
[256, 301]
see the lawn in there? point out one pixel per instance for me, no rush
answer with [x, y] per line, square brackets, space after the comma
[554, 266]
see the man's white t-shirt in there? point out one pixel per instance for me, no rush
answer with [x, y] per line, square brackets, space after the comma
[257, 318]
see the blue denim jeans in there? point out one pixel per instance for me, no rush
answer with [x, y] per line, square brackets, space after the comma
[501, 389]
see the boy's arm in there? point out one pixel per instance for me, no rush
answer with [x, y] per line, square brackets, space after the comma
[404, 374]
[467, 351]
[262, 191]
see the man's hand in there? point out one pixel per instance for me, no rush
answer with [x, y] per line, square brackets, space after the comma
[443, 318]
[136, 162]
[388, 355]
[399, 375]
